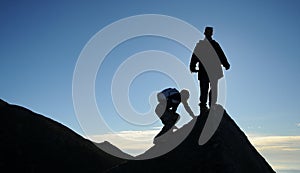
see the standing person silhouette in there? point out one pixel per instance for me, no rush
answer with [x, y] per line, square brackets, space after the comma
[206, 60]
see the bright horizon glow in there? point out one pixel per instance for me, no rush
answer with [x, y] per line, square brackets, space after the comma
[279, 151]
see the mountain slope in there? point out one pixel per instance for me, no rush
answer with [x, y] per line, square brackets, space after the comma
[30, 142]
[228, 151]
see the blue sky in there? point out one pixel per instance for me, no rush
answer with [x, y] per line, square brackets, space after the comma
[41, 42]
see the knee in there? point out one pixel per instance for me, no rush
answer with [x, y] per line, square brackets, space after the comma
[176, 117]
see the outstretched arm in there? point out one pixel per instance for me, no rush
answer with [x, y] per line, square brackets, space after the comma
[221, 55]
[188, 109]
[193, 63]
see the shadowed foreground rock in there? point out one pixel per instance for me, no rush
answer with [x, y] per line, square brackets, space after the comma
[228, 151]
[30, 142]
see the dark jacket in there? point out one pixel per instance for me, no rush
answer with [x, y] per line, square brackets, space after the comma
[209, 56]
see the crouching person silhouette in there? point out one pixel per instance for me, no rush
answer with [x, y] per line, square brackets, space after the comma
[169, 100]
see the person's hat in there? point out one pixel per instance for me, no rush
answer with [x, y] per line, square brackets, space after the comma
[208, 29]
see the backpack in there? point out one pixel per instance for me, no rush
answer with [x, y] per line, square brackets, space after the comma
[168, 94]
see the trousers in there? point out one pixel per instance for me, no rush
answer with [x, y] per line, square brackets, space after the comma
[211, 87]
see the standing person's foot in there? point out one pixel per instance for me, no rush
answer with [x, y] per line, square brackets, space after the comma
[203, 108]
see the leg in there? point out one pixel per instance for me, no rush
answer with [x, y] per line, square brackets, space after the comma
[163, 131]
[213, 94]
[169, 122]
[204, 86]
[175, 119]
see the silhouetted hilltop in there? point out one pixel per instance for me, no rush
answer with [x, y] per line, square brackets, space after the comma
[228, 151]
[30, 142]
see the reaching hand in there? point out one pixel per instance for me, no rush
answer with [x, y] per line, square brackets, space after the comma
[193, 71]
[227, 67]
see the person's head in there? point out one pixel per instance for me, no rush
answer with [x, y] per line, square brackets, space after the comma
[185, 95]
[208, 32]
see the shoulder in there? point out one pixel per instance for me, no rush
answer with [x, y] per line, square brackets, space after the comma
[214, 42]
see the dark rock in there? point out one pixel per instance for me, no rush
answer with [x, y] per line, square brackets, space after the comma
[227, 151]
[30, 142]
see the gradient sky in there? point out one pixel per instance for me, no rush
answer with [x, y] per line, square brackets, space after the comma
[41, 41]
